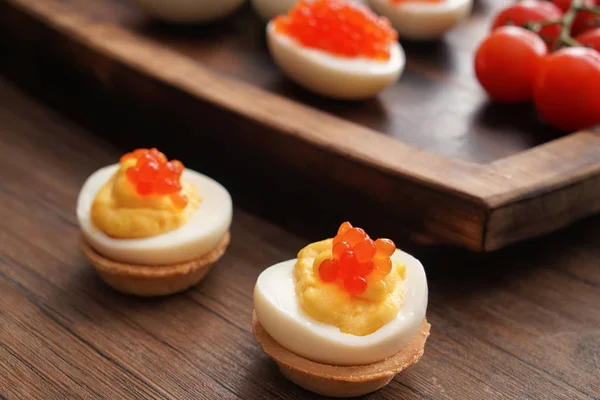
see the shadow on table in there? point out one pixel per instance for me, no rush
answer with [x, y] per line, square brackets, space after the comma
[454, 274]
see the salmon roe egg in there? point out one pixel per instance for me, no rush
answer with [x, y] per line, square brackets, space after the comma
[348, 265]
[354, 236]
[355, 257]
[364, 250]
[355, 285]
[339, 248]
[153, 174]
[328, 270]
[384, 265]
[364, 269]
[344, 227]
[338, 27]
[384, 247]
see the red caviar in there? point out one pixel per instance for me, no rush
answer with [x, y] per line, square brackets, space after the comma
[338, 27]
[153, 174]
[355, 257]
[355, 285]
[328, 270]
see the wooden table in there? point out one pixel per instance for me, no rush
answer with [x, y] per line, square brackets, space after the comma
[520, 324]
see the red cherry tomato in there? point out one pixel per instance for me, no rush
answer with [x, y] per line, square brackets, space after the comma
[567, 88]
[590, 39]
[526, 11]
[585, 21]
[507, 62]
[564, 5]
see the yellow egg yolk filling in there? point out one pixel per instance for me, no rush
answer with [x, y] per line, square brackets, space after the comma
[330, 304]
[120, 212]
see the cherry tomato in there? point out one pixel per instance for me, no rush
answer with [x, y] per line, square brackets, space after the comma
[585, 21]
[564, 5]
[507, 62]
[526, 11]
[590, 39]
[567, 87]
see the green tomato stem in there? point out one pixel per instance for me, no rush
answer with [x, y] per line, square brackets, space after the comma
[565, 38]
[566, 23]
[593, 10]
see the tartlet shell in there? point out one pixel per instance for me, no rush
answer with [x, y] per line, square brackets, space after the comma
[153, 280]
[341, 381]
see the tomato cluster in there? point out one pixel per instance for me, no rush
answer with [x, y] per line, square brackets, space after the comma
[356, 256]
[153, 174]
[548, 52]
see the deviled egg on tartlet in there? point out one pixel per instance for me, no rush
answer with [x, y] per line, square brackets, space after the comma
[150, 226]
[344, 317]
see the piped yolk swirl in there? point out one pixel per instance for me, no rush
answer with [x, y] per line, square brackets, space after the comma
[146, 197]
[358, 309]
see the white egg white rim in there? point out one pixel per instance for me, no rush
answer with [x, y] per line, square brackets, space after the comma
[357, 65]
[214, 212]
[347, 349]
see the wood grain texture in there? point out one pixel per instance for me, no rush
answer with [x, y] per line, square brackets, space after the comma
[523, 323]
[257, 119]
[438, 82]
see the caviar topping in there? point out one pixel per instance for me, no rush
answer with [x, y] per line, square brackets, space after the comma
[338, 27]
[153, 174]
[355, 257]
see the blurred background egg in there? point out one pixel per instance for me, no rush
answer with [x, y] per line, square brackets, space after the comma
[331, 75]
[422, 20]
[189, 11]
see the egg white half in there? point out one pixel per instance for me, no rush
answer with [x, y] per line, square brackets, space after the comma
[197, 237]
[279, 312]
[333, 76]
[269, 9]
[420, 20]
[189, 11]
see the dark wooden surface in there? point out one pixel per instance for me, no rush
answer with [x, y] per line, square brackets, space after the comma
[437, 105]
[156, 79]
[523, 323]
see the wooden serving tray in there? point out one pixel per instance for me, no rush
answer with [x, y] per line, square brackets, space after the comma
[430, 151]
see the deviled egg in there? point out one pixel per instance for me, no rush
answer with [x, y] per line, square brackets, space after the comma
[422, 19]
[336, 49]
[344, 317]
[279, 311]
[151, 226]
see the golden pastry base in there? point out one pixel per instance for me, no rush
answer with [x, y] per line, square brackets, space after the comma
[153, 280]
[341, 381]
